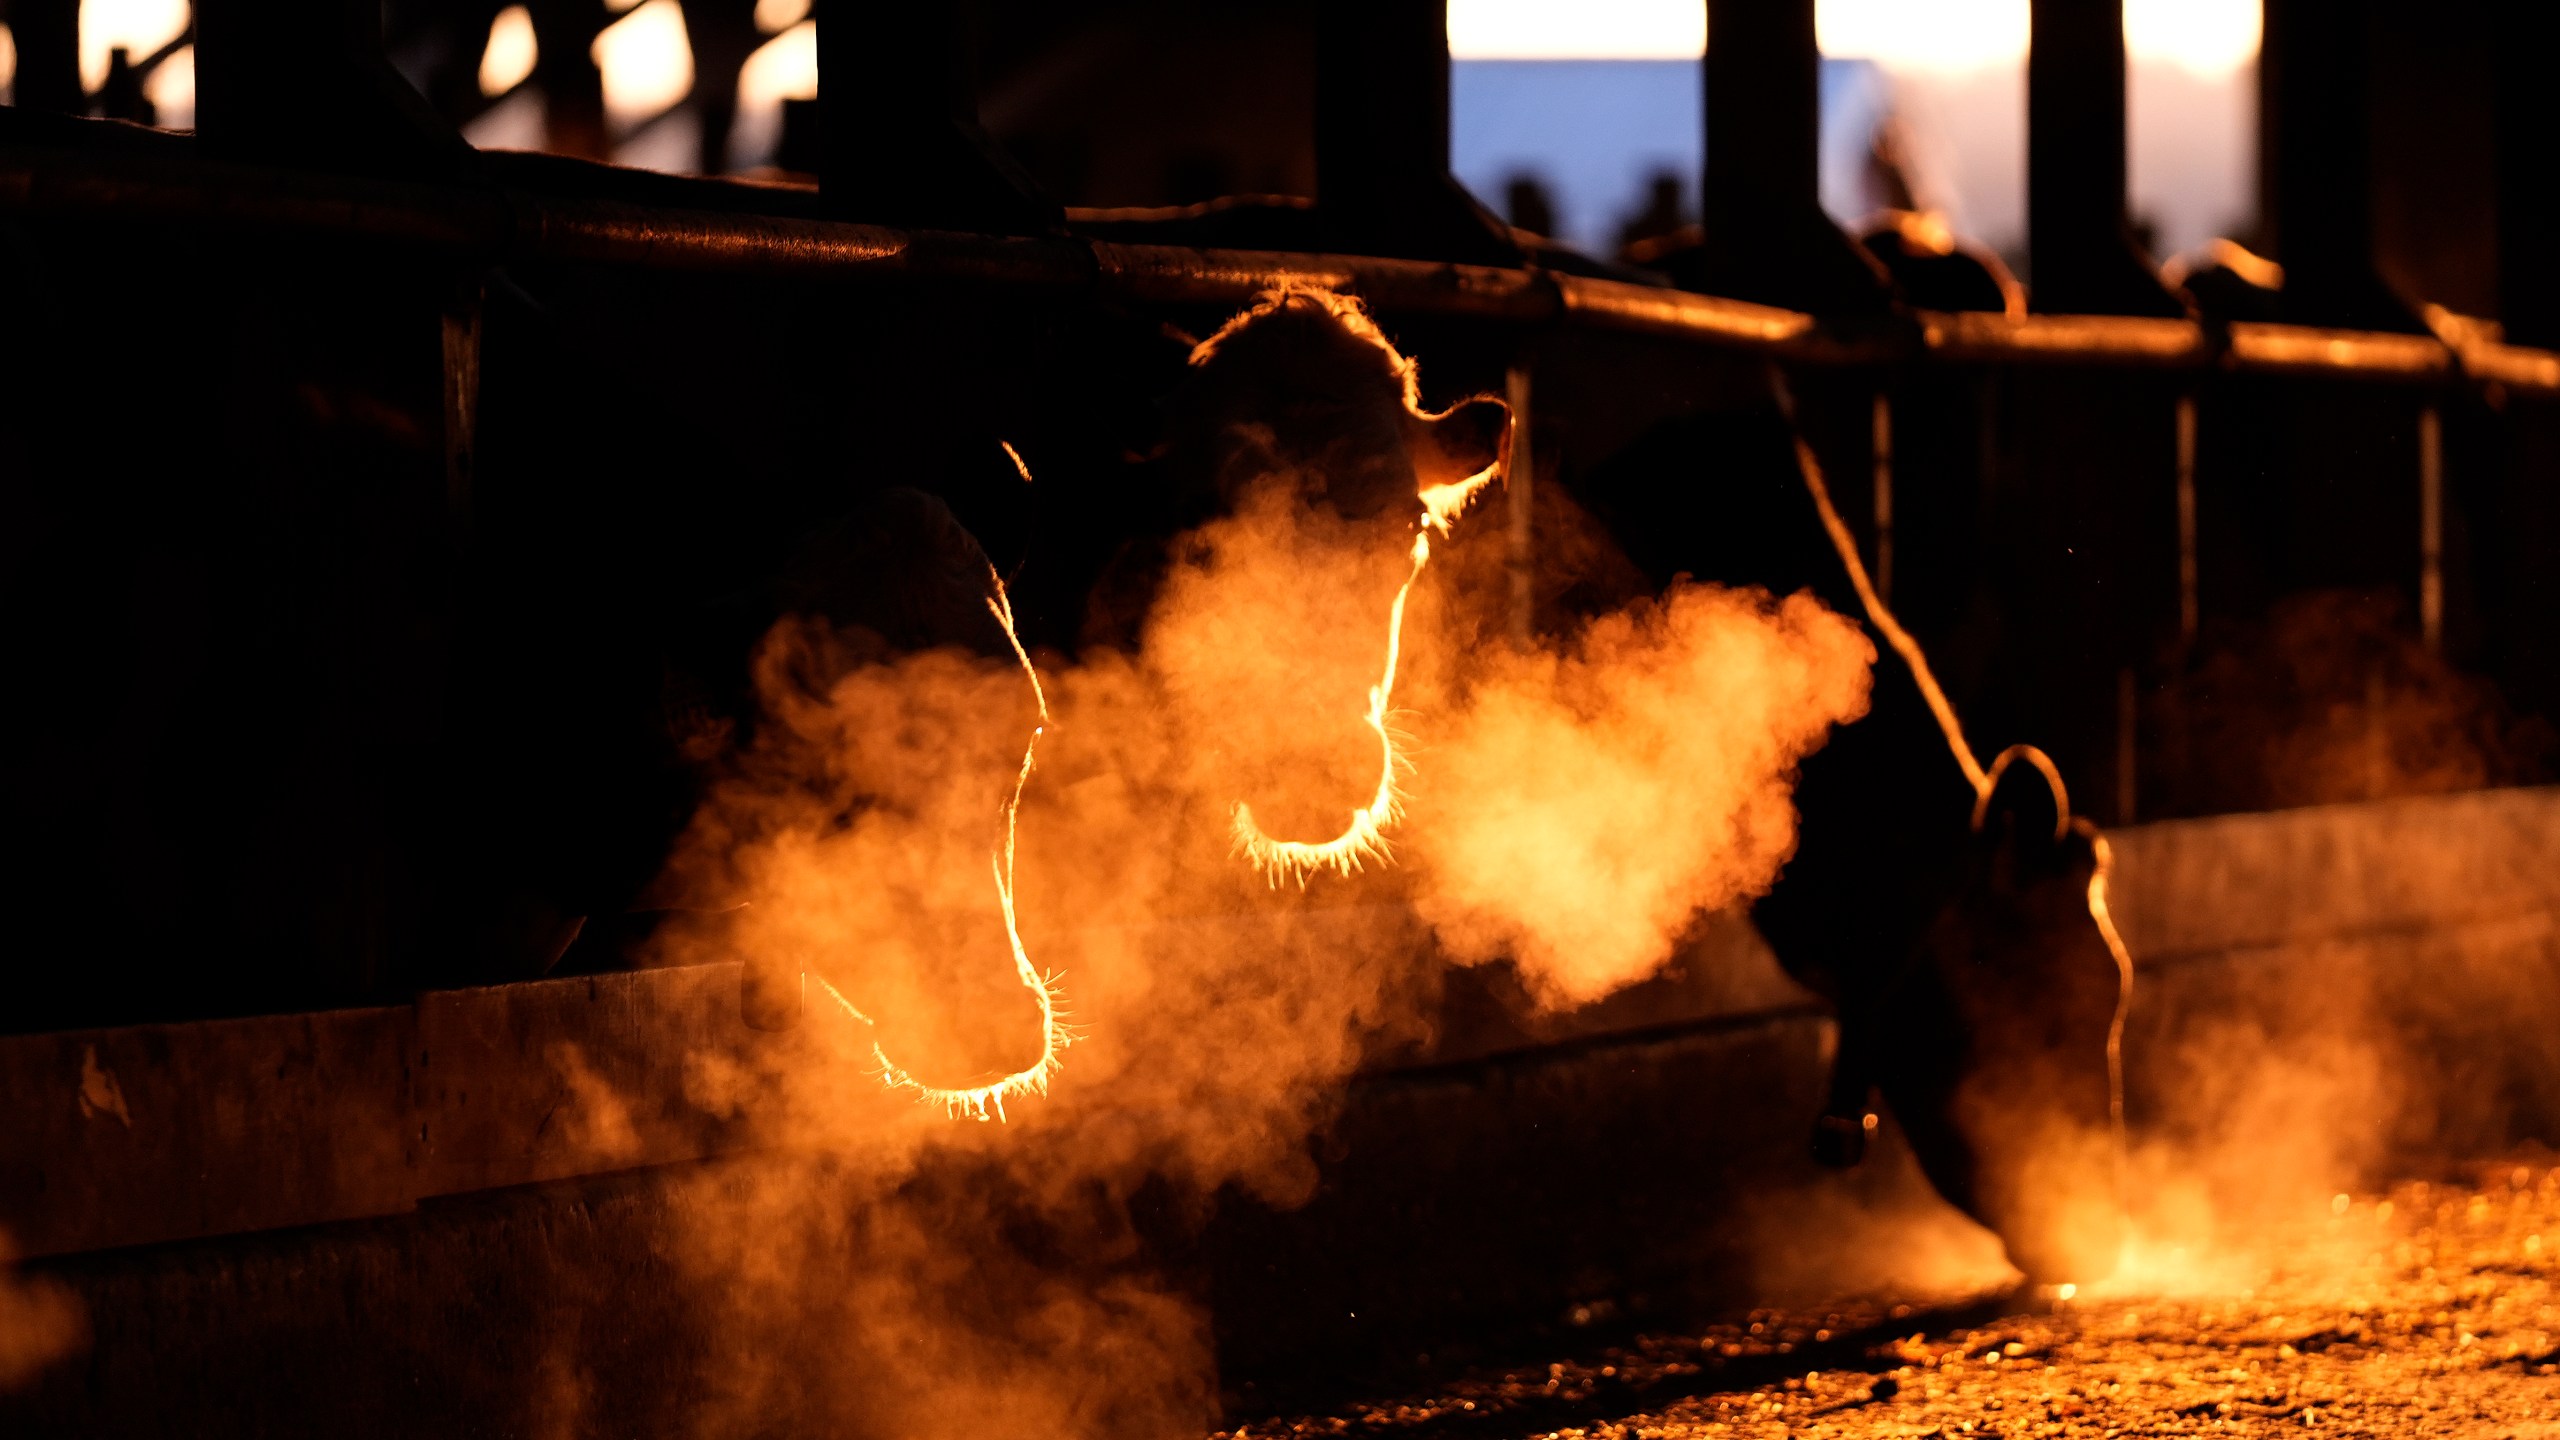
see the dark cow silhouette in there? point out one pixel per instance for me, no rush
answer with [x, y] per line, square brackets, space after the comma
[1952, 929]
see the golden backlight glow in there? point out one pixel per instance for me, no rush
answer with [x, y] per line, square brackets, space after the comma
[986, 1102]
[1591, 30]
[647, 62]
[844, 838]
[1216, 1026]
[1365, 838]
[171, 89]
[2208, 37]
[783, 68]
[141, 27]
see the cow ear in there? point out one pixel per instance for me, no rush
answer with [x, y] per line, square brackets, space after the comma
[1466, 439]
[2026, 803]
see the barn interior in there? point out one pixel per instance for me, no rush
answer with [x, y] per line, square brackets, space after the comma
[465, 495]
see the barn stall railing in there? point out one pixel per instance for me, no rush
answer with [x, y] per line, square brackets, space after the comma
[718, 233]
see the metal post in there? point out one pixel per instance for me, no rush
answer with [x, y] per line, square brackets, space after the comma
[2528, 136]
[1382, 137]
[2128, 743]
[898, 116]
[2082, 258]
[1882, 432]
[1519, 483]
[2316, 165]
[2431, 528]
[1767, 238]
[2190, 603]
[565, 71]
[47, 33]
[306, 83]
[724, 34]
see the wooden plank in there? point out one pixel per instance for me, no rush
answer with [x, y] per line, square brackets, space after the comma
[151, 1133]
[547, 1079]
[2233, 882]
[160, 1132]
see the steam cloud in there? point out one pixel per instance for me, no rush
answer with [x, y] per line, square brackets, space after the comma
[1590, 800]
[1573, 807]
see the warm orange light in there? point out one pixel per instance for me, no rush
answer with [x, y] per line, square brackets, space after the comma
[646, 60]
[1365, 838]
[783, 68]
[986, 1102]
[509, 57]
[775, 16]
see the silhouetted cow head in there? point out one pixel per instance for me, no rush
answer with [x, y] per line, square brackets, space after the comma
[1305, 383]
[1997, 1058]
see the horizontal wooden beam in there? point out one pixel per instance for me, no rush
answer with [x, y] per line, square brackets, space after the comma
[149, 1133]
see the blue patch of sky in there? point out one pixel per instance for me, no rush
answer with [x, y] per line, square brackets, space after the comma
[1595, 132]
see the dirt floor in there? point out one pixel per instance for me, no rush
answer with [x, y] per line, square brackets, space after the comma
[2432, 1310]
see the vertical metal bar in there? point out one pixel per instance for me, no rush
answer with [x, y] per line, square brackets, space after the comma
[723, 34]
[1766, 236]
[2128, 746]
[2190, 604]
[1383, 185]
[306, 82]
[47, 34]
[2081, 255]
[1382, 105]
[566, 74]
[1883, 444]
[2431, 528]
[2315, 100]
[1519, 484]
